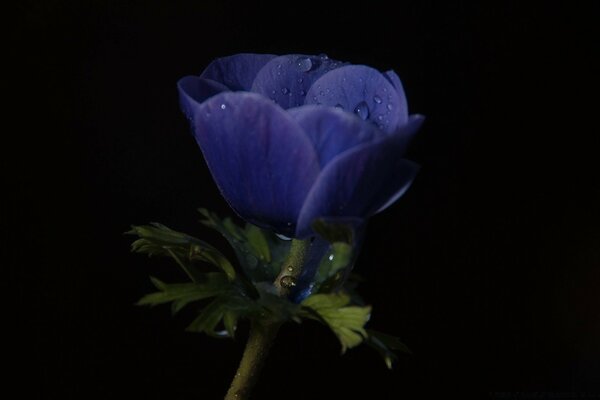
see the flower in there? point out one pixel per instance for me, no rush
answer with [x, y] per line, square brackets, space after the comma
[289, 139]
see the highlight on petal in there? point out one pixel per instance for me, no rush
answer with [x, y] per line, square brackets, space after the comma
[287, 79]
[361, 181]
[395, 79]
[194, 90]
[361, 90]
[260, 158]
[332, 130]
[238, 71]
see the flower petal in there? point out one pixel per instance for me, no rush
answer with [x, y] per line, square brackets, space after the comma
[403, 108]
[287, 79]
[260, 158]
[332, 130]
[362, 90]
[362, 180]
[237, 72]
[194, 90]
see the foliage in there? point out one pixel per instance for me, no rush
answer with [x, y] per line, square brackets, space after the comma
[225, 294]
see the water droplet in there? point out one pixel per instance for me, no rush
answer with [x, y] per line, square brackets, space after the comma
[285, 90]
[339, 106]
[290, 268]
[380, 117]
[330, 257]
[389, 107]
[314, 98]
[377, 99]
[323, 56]
[273, 92]
[362, 110]
[304, 64]
[287, 281]
[223, 106]
[302, 93]
[300, 80]
[321, 93]
[282, 237]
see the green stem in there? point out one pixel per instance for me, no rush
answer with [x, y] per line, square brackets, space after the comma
[260, 340]
[292, 266]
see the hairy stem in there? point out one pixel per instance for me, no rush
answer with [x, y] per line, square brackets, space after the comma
[260, 340]
[292, 267]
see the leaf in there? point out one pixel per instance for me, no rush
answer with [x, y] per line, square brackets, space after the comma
[209, 318]
[329, 273]
[384, 344]
[157, 239]
[257, 241]
[182, 294]
[259, 251]
[334, 231]
[230, 319]
[347, 322]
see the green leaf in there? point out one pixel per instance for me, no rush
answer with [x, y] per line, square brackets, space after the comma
[330, 269]
[257, 242]
[182, 294]
[209, 318]
[347, 322]
[384, 344]
[259, 251]
[333, 232]
[157, 239]
[230, 319]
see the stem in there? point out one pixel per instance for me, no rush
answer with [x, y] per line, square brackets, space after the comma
[292, 267]
[262, 335]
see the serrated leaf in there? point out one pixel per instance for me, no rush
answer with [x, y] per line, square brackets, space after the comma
[384, 344]
[230, 319]
[259, 251]
[257, 242]
[157, 239]
[184, 293]
[330, 269]
[347, 322]
[334, 231]
[209, 318]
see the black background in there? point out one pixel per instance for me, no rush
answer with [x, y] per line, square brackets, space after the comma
[488, 268]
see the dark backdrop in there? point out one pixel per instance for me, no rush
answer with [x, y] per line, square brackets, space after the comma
[488, 268]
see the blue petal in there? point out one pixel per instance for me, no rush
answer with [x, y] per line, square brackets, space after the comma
[332, 130]
[237, 72]
[363, 91]
[260, 158]
[287, 79]
[194, 90]
[395, 79]
[362, 180]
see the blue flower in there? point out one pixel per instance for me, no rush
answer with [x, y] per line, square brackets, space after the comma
[289, 139]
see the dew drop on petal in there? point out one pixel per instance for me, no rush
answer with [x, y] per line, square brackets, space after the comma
[302, 93]
[304, 64]
[339, 106]
[330, 257]
[377, 99]
[362, 110]
[285, 90]
[323, 56]
[223, 106]
[389, 106]
[300, 80]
